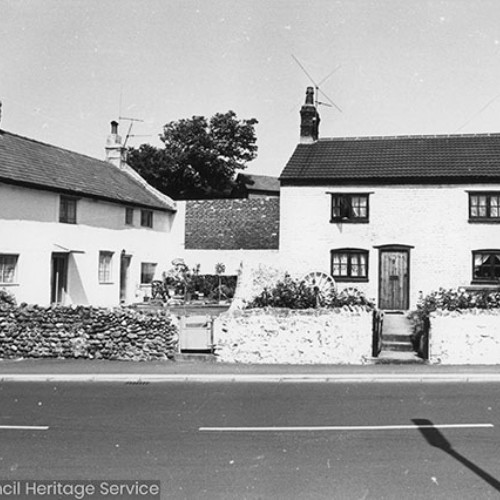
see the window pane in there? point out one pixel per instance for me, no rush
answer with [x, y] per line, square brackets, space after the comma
[495, 265]
[129, 216]
[67, 210]
[482, 265]
[481, 206]
[349, 264]
[340, 261]
[146, 218]
[359, 206]
[105, 267]
[494, 206]
[147, 272]
[362, 265]
[8, 264]
[335, 207]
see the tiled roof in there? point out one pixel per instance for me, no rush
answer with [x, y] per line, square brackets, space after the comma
[441, 158]
[264, 183]
[35, 164]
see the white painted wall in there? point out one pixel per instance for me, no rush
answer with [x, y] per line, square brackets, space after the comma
[432, 219]
[29, 227]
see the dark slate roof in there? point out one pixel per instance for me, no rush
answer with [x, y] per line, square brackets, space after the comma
[30, 163]
[260, 183]
[407, 159]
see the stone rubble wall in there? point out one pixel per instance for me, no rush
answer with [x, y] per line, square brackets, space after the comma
[465, 337]
[283, 336]
[30, 331]
[252, 280]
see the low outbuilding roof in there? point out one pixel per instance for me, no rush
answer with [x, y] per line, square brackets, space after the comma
[35, 164]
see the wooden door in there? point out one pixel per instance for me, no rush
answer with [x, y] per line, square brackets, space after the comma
[124, 267]
[59, 278]
[394, 279]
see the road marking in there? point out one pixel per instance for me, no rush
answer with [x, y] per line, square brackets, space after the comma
[25, 427]
[342, 428]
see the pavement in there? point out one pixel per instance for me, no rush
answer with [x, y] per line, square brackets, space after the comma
[205, 368]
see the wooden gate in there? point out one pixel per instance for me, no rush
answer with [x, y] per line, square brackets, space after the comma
[394, 279]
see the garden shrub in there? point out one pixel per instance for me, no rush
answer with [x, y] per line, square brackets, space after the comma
[296, 294]
[448, 300]
[7, 298]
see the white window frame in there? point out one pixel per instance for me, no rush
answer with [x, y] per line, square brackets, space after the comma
[105, 270]
[3, 272]
[143, 272]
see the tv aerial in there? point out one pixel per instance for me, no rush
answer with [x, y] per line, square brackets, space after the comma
[317, 88]
[129, 134]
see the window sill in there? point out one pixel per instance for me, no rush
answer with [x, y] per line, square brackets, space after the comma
[349, 221]
[485, 282]
[67, 222]
[9, 284]
[106, 282]
[484, 220]
[349, 279]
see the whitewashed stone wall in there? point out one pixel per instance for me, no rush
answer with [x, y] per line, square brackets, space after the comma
[431, 219]
[465, 337]
[283, 336]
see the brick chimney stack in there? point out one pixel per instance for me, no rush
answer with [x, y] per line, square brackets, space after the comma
[115, 152]
[309, 119]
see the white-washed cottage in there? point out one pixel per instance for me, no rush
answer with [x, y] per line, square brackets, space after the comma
[392, 216]
[77, 230]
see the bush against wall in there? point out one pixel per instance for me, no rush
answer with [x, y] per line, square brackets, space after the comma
[6, 297]
[31, 331]
[296, 294]
[442, 300]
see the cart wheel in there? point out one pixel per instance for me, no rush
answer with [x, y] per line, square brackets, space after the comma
[321, 283]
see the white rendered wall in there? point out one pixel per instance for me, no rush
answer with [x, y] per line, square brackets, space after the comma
[29, 227]
[432, 219]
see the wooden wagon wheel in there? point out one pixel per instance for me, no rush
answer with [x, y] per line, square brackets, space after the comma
[322, 284]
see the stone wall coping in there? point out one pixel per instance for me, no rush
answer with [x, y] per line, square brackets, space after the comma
[284, 312]
[465, 312]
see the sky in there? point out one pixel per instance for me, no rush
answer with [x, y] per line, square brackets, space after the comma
[393, 67]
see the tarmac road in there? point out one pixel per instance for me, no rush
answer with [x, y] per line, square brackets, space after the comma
[259, 440]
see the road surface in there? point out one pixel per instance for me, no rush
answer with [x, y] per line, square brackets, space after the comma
[259, 440]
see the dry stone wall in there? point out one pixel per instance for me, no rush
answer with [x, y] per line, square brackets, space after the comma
[283, 336]
[465, 337]
[30, 331]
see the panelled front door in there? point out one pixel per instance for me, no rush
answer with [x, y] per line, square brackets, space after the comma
[59, 278]
[394, 279]
[124, 267]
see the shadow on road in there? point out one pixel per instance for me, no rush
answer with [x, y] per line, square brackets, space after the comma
[436, 439]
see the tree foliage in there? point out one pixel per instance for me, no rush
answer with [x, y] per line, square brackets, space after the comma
[199, 158]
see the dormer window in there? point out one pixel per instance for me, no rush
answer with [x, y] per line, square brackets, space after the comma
[484, 207]
[129, 216]
[349, 207]
[67, 210]
[146, 218]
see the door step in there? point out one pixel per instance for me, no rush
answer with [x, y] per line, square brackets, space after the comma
[402, 346]
[398, 358]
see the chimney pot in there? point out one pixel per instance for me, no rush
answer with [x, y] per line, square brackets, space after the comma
[115, 152]
[309, 119]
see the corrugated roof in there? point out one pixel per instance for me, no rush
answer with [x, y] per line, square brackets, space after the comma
[27, 162]
[440, 158]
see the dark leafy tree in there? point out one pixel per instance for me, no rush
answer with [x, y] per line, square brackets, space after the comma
[200, 157]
